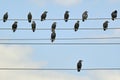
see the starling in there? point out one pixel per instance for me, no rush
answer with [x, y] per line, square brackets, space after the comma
[76, 26]
[44, 15]
[5, 17]
[105, 25]
[14, 26]
[53, 27]
[29, 17]
[114, 15]
[79, 65]
[84, 16]
[66, 16]
[53, 36]
[33, 25]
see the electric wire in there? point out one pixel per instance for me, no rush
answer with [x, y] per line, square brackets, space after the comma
[23, 19]
[87, 69]
[60, 43]
[82, 38]
[61, 28]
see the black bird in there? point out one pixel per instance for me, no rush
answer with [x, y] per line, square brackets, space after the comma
[53, 36]
[44, 15]
[79, 65]
[76, 26]
[114, 15]
[66, 16]
[5, 17]
[105, 25]
[53, 27]
[14, 26]
[33, 25]
[29, 17]
[84, 16]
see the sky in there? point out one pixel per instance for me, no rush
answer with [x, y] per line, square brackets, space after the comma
[59, 56]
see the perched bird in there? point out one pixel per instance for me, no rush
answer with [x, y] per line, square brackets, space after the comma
[66, 16]
[29, 17]
[14, 26]
[105, 25]
[53, 36]
[33, 25]
[79, 65]
[114, 15]
[76, 26]
[44, 15]
[84, 16]
[5, 17]
[53, 27]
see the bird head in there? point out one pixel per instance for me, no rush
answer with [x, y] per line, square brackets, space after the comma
[16, 22]
[54, 22]
[80, 60]
[67, 11]
[107, 21]
[115, 11]
[46, 12]
[78, 21]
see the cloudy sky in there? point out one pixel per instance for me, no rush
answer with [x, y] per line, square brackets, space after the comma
[59, 56]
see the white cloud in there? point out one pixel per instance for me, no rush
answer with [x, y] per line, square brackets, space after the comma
[20, 56]
[106, 75]
[67, 2]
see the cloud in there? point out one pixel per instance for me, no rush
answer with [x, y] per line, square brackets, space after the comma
[106, 75]
[67, 2]
[20, 56]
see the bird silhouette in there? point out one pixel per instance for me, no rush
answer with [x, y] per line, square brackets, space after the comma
[14, 26]
[114, 15]
[66, 16]
[79, 65]
[53, 27]
[84, 16]
[33, 25]
[105, 25]
[29, 17]
[44, 15]
[53, 36]
[5, 17]
[76, 26]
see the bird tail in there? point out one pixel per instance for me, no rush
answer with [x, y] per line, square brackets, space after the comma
[4, 20]
[33, 30]
[13, 30]
[29, 21]
[113, 19]
[52, 40]
[104, 29]
[83, 20]
[66, 20]
[78, 70]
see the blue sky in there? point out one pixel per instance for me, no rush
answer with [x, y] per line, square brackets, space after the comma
[59, 56]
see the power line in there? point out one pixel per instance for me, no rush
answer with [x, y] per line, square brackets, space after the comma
[64, 38]
[87, 69]
[60, 28]
[23, 19]
[60, 43]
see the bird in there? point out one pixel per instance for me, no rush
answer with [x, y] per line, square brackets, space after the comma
[76, 26]
[5, 17]
[29, 17]
[33, 25]
[44, 15]
[79, 65]
[66, 16]
[53, 27]
[114, 15]
[53, 36]
[14, 26]
[105, 25]
[84, 16]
